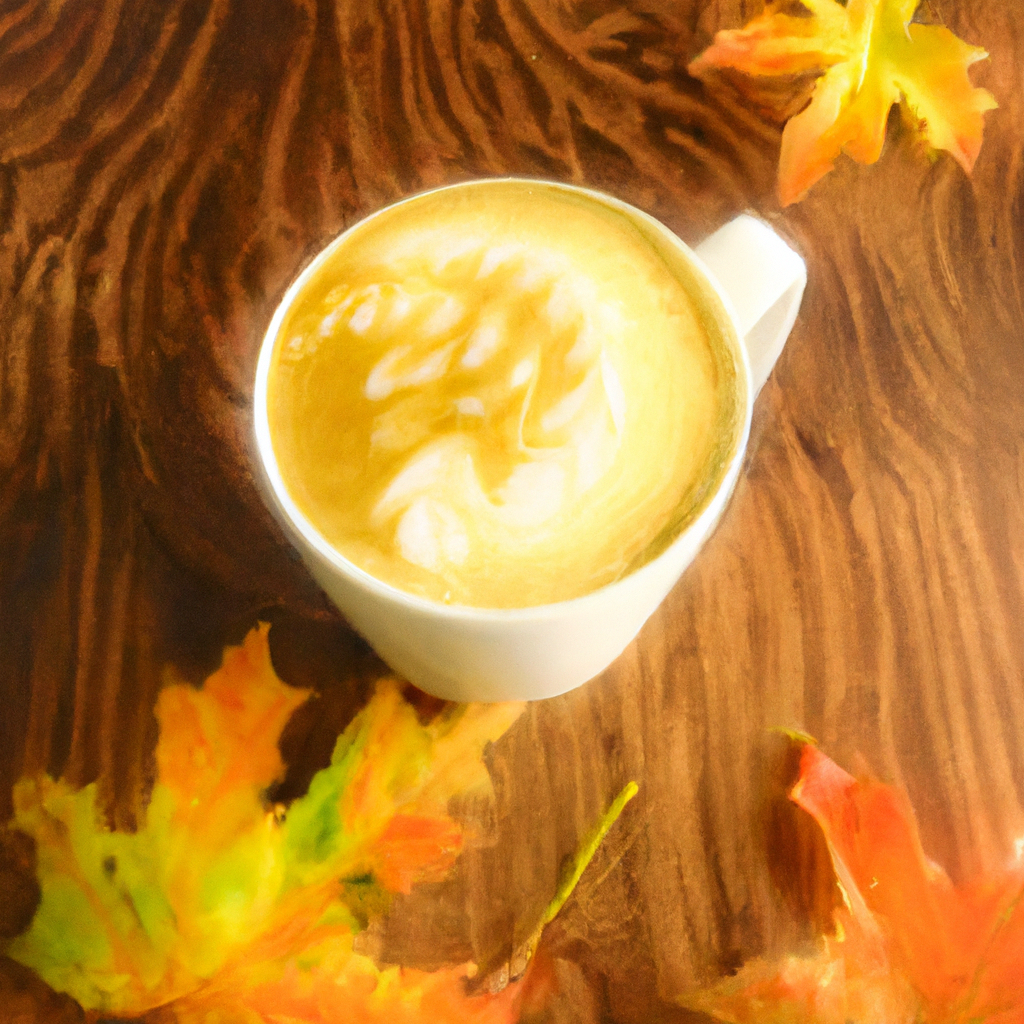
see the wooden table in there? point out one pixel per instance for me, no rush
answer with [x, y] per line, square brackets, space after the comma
[165, 170]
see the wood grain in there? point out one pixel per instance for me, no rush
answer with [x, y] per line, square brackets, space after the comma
[166, 169]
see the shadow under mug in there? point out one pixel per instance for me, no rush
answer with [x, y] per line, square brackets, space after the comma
[751, 284]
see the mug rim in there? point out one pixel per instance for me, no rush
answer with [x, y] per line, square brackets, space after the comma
[298, 524]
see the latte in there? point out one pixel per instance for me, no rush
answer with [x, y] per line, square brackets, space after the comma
[504, 395]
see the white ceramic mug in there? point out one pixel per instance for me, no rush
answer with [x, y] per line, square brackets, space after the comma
[751, 282]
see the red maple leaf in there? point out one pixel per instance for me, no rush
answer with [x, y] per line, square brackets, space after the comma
[908, 946]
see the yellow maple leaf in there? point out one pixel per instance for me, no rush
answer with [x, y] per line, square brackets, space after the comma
[871, 56]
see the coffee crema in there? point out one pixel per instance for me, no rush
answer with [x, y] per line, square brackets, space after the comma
[500, 396]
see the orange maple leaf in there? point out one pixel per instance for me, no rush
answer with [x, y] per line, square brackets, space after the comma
[871, 57]
[909, 947]
[330, 983]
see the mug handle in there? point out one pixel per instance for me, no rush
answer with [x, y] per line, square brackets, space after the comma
[765, 279]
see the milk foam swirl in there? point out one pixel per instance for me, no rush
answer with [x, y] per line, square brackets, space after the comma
[472, 396]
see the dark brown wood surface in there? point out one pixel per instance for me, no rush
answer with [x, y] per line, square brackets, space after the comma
[167, 168]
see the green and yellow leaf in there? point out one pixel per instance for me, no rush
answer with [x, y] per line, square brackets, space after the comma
[217, 885]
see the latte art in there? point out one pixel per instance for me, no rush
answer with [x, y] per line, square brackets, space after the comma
[496, 399]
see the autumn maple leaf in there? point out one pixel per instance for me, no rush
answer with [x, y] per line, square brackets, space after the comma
[909, 946]
[871, 56]
[218, 888]
[221, 909]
